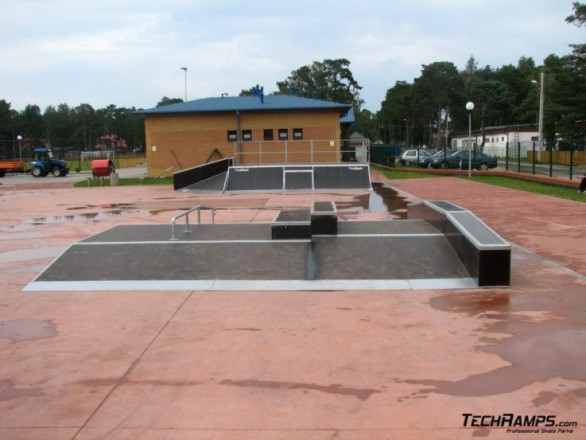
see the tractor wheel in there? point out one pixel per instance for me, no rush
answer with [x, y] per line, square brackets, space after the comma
[37, 172]
[56, 172]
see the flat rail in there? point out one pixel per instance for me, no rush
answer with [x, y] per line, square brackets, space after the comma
[185, 214]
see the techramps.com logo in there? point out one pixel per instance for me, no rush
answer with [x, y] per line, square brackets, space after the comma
[519, 424]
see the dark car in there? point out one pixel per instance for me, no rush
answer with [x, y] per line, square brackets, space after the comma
[459, 159]
[425, 161]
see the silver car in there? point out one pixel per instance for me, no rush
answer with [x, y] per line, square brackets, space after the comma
[412, 156]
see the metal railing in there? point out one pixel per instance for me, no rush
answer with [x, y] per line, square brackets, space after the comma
[185, 214]
[300, 151]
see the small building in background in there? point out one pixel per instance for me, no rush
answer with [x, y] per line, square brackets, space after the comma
[360, 145]
[274, 129]
[519, 138]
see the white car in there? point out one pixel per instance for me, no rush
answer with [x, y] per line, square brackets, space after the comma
[412, 157]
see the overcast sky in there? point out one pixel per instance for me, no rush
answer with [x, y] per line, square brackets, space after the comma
[129, 52]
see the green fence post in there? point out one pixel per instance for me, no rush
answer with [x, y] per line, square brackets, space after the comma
[550, 161]
[571, 161]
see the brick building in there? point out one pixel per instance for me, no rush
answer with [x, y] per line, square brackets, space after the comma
[252, 129]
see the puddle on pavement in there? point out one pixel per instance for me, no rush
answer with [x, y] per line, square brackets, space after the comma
[17, 228]
[8, 391]
[26, 330]
[473, 303]
[535, 351]
[382, 199]
[360, 393]
[103, 206]
[97, 216]
[92, 216]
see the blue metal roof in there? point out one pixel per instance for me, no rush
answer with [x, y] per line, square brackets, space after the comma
[247, 103]
[348, 118]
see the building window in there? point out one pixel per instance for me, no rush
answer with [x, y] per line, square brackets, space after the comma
[298, 133]
[283, 134]
[232, 136]
[246, 135]
[268, 134]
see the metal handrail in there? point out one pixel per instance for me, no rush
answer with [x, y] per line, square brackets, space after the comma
[185, 214]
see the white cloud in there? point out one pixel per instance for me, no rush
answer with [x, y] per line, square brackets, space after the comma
[129, 53]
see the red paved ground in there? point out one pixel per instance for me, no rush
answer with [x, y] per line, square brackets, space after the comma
[289, 365]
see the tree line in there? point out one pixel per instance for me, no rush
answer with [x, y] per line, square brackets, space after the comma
[433, 107]
[80, 128]
[425, 112]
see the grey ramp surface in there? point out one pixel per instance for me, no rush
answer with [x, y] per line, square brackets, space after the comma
[356, 258]
[255, 179]
[203, 232]
[296, 177]
[253, 231]
[180, 261]
[378, 258]
[213, 184]
[342, 177]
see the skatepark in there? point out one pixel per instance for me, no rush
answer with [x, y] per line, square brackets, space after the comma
[282, 361]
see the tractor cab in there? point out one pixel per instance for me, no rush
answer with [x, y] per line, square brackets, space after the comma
[42, 155]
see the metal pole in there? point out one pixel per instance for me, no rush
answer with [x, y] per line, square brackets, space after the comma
[19, 138]
[185, 70]
[541, 102]
[550, 161]
[469, 144]
[469, 107]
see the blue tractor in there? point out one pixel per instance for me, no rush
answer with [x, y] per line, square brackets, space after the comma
[44, 163]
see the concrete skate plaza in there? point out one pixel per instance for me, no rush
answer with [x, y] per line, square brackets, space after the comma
[287, 364]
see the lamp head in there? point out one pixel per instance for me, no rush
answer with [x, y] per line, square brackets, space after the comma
[470, 106]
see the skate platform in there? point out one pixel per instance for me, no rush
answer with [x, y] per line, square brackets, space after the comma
[224, 176]
[443, 246]
[387, 255]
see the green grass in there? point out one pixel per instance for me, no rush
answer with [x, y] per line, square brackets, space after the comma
[534, 187]
[127, 181]
[507, 182]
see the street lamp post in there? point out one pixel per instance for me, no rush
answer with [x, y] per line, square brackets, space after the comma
[185, 70]
[19, 139]
[469, 107]
[541, 102]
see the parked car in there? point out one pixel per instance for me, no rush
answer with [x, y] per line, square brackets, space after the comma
[459, 159]
[425, 161]
[412, 156]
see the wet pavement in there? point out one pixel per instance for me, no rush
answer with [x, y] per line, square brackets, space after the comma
[289, 364]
